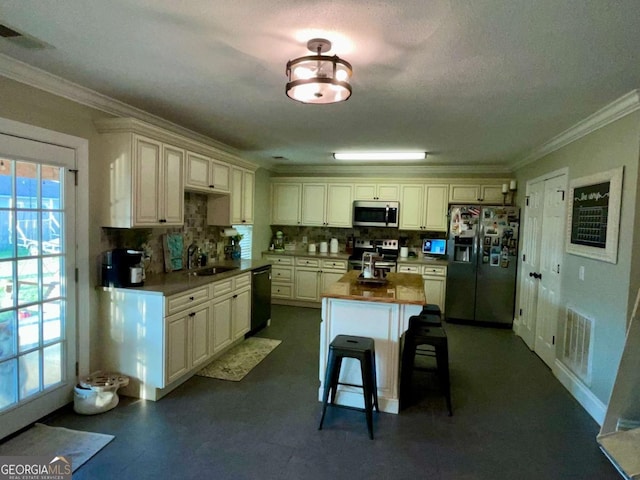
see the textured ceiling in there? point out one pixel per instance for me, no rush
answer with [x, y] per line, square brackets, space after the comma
[479, 82]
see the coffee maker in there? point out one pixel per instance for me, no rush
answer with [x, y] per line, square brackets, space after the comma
[122, 267]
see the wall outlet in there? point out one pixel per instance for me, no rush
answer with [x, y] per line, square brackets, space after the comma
[581, 273]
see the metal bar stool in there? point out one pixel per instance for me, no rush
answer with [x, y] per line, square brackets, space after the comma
[435, 338]
[359, 348]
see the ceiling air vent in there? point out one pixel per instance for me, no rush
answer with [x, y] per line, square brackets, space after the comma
[10, 35]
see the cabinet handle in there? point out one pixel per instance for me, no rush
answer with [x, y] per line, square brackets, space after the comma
[235, 296]
[212, 186]
[243, 221]
[191, 298]
[162, 220]
[192, 314]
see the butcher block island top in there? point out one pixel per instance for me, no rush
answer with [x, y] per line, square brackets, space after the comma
[400, 288]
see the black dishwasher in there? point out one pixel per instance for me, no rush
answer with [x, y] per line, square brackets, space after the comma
[260, 298]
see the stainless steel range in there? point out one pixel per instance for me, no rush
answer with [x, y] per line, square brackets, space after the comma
[387, 249]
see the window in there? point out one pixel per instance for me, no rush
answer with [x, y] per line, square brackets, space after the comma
[246, 242]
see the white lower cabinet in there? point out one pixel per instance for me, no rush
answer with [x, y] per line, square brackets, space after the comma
[181, 332]
[186, 341]
[434, 278]
[301, 280]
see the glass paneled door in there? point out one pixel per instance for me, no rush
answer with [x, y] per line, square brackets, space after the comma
[37, 284]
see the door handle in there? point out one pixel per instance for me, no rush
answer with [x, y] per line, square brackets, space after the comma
[535, 275]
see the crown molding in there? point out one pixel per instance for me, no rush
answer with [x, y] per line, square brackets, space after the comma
[626, 104]
[42, 80]
[389, 170]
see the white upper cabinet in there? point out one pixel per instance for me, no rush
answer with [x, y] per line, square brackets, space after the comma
[478, 193]
[339, 211]
[143, 182]
[236, 208]
[327, 205]
[285, 203]
[203, 174]
[314, 198]
[376, 191]
[423, 207]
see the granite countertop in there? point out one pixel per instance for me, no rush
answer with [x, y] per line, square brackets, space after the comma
[305, 253]
[402, 288]
[182, 280]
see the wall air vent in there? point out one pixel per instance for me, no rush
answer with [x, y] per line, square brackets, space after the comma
[10, 35]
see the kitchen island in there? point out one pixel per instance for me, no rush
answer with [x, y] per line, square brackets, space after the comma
[380, 312]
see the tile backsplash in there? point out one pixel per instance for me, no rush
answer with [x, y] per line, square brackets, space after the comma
[195, 230]
[319, 234]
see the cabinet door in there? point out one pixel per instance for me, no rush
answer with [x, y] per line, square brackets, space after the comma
[248, 187]
[412, 207]
[306, 284]
[241, 314]
[176, 340]
[220, 177]
[492, 194]
[146, 171]
[197, 171]
[314, 199]
[464, 193]
[434, 290]
[220, 327]
[364, 191]
[172, 186]
[236, 195]
[388, 192]
[339, 205]
[199, 338]
[436, 203]
[285, 203]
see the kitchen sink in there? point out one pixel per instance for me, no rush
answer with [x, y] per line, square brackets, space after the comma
[205, 272]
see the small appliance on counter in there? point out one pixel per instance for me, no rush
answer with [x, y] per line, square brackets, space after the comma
[122, 267]
[371, 271]
[278, 242]
[333, 245]
[324, 248]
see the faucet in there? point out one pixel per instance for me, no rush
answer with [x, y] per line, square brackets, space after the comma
[191, 251]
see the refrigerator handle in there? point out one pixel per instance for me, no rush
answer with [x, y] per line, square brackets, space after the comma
[476, 240]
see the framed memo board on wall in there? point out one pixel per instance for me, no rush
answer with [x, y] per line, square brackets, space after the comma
[593, 222]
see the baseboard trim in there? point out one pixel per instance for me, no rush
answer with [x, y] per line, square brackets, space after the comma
[580, 392]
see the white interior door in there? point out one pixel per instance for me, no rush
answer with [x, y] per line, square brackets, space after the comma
[37, 280]
[530, 254]
[551, 251]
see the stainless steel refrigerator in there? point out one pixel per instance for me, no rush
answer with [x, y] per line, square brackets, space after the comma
[483, 253]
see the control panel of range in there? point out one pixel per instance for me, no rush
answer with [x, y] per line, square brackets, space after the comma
[384, 244]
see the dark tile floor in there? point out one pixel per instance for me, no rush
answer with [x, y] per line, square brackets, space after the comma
[512, 420]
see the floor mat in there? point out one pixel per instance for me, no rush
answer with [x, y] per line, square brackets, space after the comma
[240, 360]
[42, 440]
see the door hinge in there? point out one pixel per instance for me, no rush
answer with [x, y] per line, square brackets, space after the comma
[561, 191]
[527, 201]
[77, 275]
[524, 257]
[553, 340]
[75, 176]
[520, 312]
[77, 369]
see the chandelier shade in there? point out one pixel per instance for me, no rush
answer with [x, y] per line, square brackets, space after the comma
[319, 78]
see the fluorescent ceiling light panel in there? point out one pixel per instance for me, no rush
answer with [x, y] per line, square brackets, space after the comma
[381, 156]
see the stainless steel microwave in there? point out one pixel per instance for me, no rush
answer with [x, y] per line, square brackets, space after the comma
[375, 214]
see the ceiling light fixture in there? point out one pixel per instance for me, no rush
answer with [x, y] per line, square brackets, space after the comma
[319, 78]
[381, 156]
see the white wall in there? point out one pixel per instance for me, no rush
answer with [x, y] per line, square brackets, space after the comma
[608, 290]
